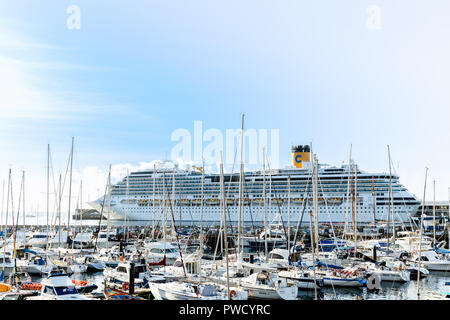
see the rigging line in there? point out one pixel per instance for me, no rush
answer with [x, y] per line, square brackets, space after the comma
[252, 222]
[347, 204]
[404, 203]
[229, 187]
[278, 205]
[20, 200]
[306, 195]
[326, 209]
[174, 225]
[101, 212]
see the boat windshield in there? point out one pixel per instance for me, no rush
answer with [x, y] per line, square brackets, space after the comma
[60, 291]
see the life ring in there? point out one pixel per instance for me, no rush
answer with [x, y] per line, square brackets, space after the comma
[232, 293]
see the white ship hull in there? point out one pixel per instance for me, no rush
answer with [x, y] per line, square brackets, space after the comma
[148, 195]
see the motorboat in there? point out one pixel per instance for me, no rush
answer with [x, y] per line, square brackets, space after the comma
[83, 240]
[6, 263]
[93, 264]
[431, 260]
[303, 278]
[156, 251]
[119, 277]
[58, 286]
[186, 291]
[265, 285]
[35, 265]
[38, 239]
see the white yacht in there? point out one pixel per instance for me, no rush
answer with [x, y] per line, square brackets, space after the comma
[84, 240]
[119, 277]
[431, 260]
[265, 285]
[6, 264]
[34, 265]
[156, 251]
[58, 287]
[38, 239]
[186, 291]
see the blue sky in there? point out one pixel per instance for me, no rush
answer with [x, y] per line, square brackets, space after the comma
[138, 70]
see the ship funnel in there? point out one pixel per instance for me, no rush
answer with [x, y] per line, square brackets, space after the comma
[300, 154]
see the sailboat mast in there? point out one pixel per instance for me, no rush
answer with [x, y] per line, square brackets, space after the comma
[59, 211]
[373, 202]
[434, 212]
[201, 216]
[153, 202]
[224, 209]
[48, 191]
[316, 203]
[81, 205]
[128, 205]
[174, 194]
[355, 208]
[70, 187]
[23, 199]
[420, 235]
[312, 217]
[241, 181]
[3, 206]
[108, 226]
[165, 214]
[265, 201]
[289, 212]
[7, 210]
[391, 196]
[348, 191]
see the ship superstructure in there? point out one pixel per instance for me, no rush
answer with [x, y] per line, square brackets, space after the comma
[150, 195]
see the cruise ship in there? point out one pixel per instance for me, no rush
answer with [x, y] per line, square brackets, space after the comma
[157, 194]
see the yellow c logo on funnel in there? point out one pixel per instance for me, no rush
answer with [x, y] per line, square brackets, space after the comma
[299, 158]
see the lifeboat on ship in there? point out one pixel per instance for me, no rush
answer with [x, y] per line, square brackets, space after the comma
[277, 201]
[258, 201]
